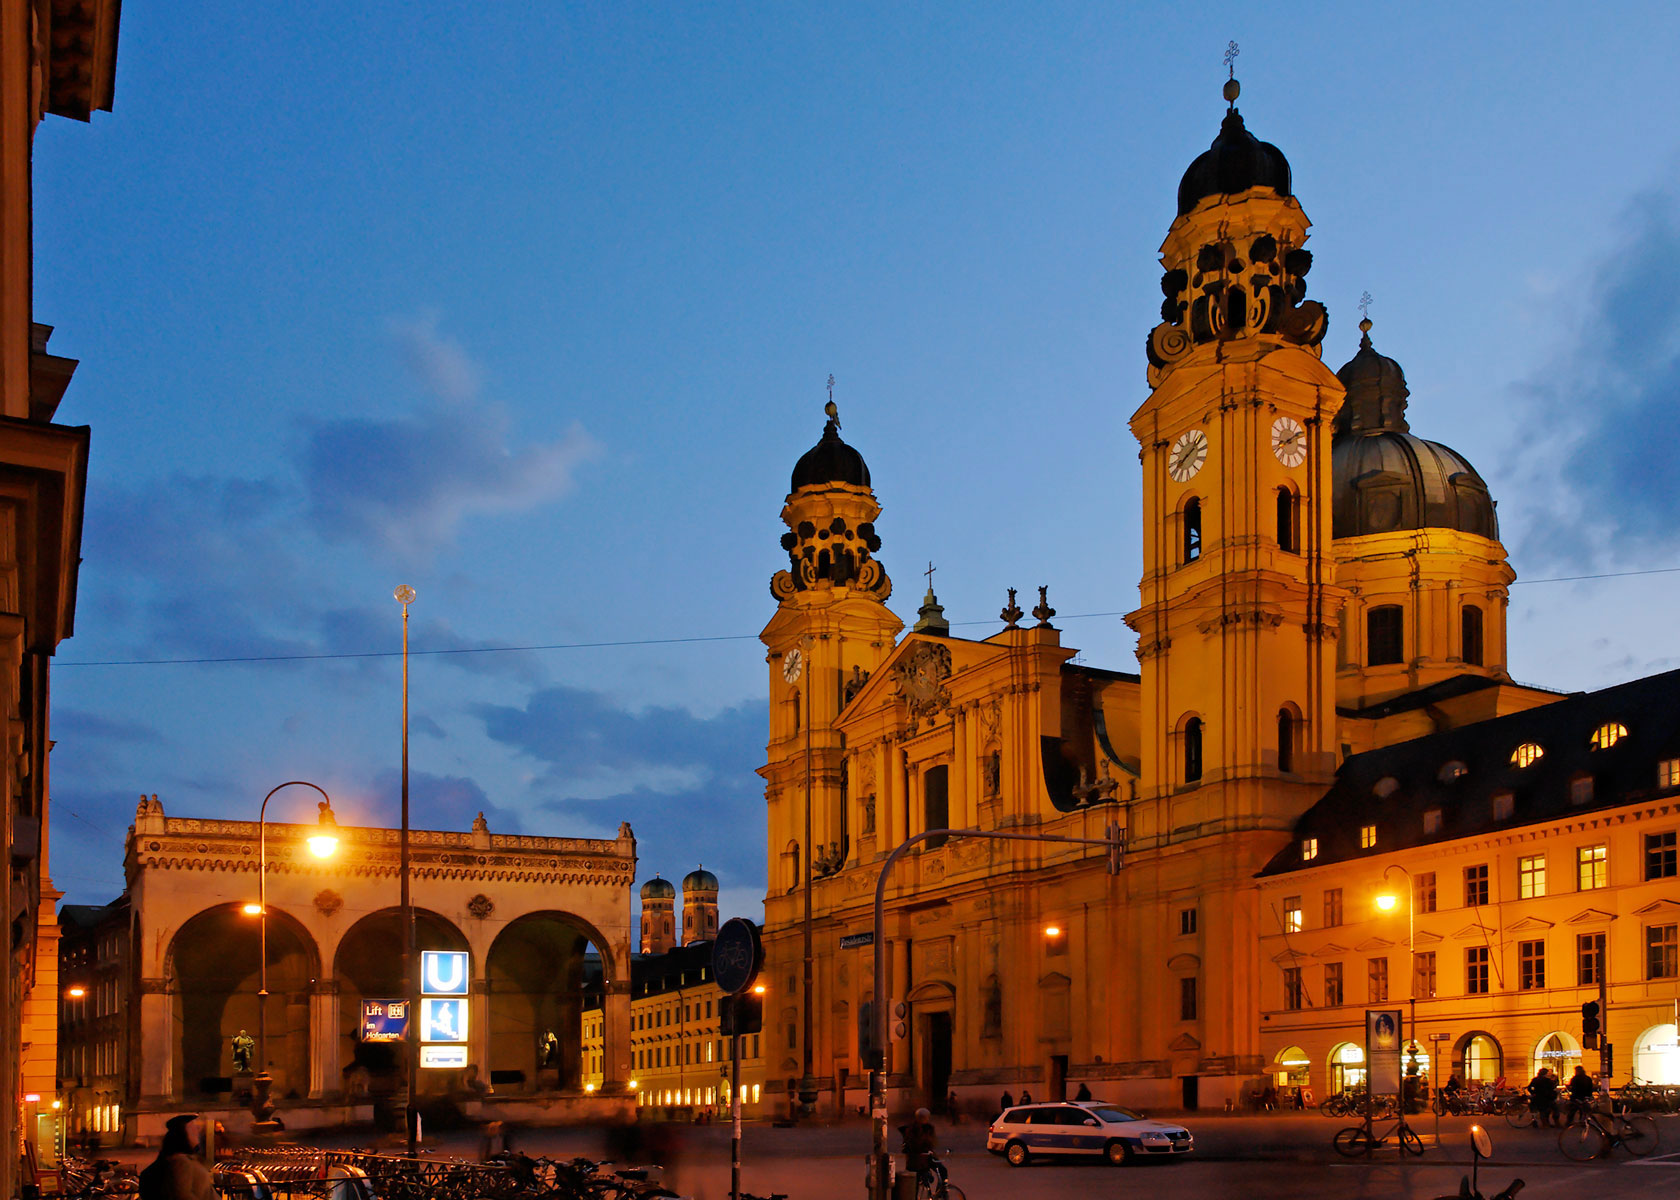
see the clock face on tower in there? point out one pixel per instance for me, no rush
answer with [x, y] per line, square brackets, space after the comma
[1187, 455]
[792, 663]
[1289, 441]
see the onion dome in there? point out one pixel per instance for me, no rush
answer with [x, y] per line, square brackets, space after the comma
[700, 880]
[1385, 478]
[658, 889]
[830, 460]
[1235, 162]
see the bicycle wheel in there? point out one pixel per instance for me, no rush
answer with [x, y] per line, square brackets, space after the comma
[1410, 1142]
[1352, 1142]
[1638, 1134]
[1520, 1115]
[953, 1192]
[1582, 1142]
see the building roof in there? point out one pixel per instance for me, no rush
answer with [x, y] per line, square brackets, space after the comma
[658, 889]
[700, 880]
[830, 460]
[1461, 773]
[91, 916]
[1235, 162]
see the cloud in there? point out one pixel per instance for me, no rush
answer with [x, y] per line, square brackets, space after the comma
[435, 802]
[405, 484]
[687, 784]
[73, 723]
[1597, 467]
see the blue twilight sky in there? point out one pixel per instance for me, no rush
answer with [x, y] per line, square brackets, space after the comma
[531, 306]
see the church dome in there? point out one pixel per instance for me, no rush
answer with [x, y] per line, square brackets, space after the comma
[658, 889]
[700, 880]
[1235, 162]
[1385, 478]
[830, 460]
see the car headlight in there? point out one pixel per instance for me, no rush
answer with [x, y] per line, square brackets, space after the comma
[1155, 1139]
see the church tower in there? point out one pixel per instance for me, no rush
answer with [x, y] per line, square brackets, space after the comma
[659, 918]
[700, 906]
[1237, 622]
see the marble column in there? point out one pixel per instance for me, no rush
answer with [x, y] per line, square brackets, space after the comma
[325, 1071]
[478, 1027]
[157, 1041]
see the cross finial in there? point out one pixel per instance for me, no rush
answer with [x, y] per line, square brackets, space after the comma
[1365, 315]
[929, 574]
[831, 386]
[1231, 52]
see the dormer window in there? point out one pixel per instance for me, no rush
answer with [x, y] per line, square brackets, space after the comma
[1607, 735]
[1453, 771]
[1527, 754]
[1309, 849]
[1432, 820]
[1385, 787]
[1504, 805]
[1581, 790]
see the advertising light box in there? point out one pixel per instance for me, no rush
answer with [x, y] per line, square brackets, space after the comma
[443, 1058]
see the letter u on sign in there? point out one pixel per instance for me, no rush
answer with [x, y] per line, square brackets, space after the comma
[443, 972]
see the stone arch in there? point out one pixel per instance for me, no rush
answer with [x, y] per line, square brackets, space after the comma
[212, 970]
[1478, 1056]
[536, 973]
[367, 965]
[1558, 1050]
[1656, 1059]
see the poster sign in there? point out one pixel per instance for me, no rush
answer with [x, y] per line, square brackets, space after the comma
[443, 1019]
[443, 1058]
[443, 972]
[1382, 1050]
[384, 1020]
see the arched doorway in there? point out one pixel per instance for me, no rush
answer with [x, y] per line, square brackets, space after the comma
[537, 978]
[368, 966]
[1292, 1068]
[1479, 1058]
[1559, 1051]
[1656, 1056]
[214, 971]
[1347, 1067]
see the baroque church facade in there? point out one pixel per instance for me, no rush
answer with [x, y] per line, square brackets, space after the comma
[1320, 586]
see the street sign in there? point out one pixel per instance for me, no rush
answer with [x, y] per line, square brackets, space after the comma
[384, 1020]
[443, 1019]
[854, 941]
[737, 955]
[443, 1058]
[443, 972]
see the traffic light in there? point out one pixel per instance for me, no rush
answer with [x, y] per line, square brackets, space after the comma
[1589, 1025]
[741, 1014]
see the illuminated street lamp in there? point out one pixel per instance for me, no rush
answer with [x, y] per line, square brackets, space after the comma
[1387, 902]
[76, 991]
[322, 844]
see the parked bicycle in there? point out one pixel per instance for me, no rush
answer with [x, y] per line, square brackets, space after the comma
[1591, 1135]
[1356, 1141]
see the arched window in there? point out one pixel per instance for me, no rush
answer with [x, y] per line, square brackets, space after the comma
[1286, 740]
[1192, 750]
[1607, 735]
[1288, 523]
[1470, 635]
[1192, 521]
[1385, 635]
[936, 802]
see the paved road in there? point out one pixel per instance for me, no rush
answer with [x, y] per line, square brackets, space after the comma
[1252, 1158]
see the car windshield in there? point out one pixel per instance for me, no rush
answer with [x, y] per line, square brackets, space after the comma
[1111, 1114]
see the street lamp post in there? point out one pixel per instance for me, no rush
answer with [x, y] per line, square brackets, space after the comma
[411, 985]
[322, 845]
[1386, 902]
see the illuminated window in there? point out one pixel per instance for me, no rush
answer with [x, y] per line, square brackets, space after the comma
[1367, 836]
[1292, 996]
[1332, 907]
[1607, 735]
[1432, 820]
[1292, 914]
[1384, 635]
[1309, 849]
[1592, 867]
[1332, 985]
[1668, 773]
[1660, 855]
[755, 1093]
[1531, 965]
[1527, 754]
[1476, 970]
[1531, 876]
[1376, 980]
[1475, 886]
[1425, 975]
[1192, 520]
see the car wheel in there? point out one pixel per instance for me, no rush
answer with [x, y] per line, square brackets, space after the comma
[1016, 1153]
[1117, 1153]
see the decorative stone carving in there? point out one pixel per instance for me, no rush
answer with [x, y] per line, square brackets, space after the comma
[991, 722]
[481, 906]
[1011, 614]
[921, 677]
[1235, 288]
[869, 813]
[480, 825]
[1042, 609]
[854, 685]
[328, 902]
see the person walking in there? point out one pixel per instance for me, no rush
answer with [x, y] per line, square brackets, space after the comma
[1582, 1091]
[176, 1173]
[1007, 1103]
[921, 1144]
[1542, 1097]
[1084, 1093]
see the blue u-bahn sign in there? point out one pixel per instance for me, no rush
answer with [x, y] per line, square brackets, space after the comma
[443, 972]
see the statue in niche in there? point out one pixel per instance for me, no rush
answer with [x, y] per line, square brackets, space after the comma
[869, 813]
[550, 1049]
[994, 774]
[244, 1047]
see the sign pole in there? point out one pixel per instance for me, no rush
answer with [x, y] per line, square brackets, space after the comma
[735, 1114]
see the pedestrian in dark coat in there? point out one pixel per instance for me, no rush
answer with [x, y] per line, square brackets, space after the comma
[176, 1173]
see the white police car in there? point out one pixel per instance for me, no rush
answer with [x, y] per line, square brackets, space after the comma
[1084, 1127]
